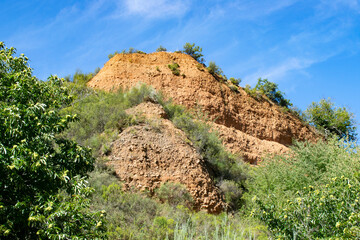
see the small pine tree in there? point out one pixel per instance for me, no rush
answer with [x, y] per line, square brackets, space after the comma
[194, 51]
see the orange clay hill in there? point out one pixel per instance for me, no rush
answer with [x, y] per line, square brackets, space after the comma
[155, 152]
[247, 126]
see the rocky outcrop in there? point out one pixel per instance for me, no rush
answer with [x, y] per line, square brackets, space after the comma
[154, 152]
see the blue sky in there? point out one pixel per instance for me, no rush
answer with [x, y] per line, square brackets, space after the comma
[311, 48]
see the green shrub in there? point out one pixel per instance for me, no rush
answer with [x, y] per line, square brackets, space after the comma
[223, 164]
[321, 212]
[205, 226]
[332, 120]
[161, 49]
[235, 81]
[111, 55]
[132, 215]
[233, 193]
[252, 92]
[194, 51]
[102, 115]
[81, 78]
[214, 69]
[163, 227]
[129, 51]
[174, 194]
[174, 68]
[277, 184]
[200, 67]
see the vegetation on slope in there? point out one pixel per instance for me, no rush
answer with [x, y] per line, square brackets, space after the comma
[315, 185]
[103, 116]
[312, 192]
[270, 90]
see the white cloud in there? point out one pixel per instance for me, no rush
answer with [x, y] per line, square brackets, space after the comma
[157, 8]
[280, 70]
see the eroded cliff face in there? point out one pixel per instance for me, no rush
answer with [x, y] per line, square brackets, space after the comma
[155, 152]
[247, 126]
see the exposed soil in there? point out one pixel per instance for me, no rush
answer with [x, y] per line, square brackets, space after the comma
[247, 126]
[154, 152]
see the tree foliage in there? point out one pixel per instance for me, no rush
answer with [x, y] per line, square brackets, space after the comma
[269, 89]
[332, 120]
[42, 185]
[194, 51]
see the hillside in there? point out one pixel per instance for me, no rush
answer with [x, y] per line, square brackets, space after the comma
[155, 152]
[247, 126]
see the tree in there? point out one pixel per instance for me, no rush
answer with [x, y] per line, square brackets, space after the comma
[331, 120]
[271, 90]
[42, 186]
[194, 51]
